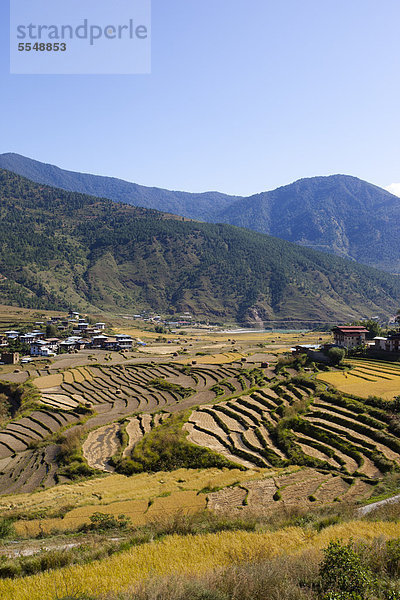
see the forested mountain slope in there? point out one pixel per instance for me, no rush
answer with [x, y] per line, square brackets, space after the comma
[339, 214]
[62, 249]
[204, 206]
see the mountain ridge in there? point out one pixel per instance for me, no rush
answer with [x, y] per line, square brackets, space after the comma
[186, 204]
[61, 249]
[339, 214]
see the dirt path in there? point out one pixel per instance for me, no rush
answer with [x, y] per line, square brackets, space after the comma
[364, 510]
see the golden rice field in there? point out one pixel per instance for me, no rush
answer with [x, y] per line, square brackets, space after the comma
[136, 332]
[183, 555]
[71, 376]
[269, 337]
[366, 378]
[140, 512]
[118, 488]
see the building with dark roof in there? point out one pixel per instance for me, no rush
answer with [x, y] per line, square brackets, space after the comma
[349, 336]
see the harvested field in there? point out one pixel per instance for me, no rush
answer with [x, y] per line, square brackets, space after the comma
[310, 451]
[299, 492]
[170, 349]
[360, 490]
[209, 441]
[100, 445]
[227, 499]
[48, 381]
[113, 392]
[68, 377]
[60, 401]
[332, 489]
[134, 433]
[215, 359]
[338, 458]
[28, 470]
[242, 427]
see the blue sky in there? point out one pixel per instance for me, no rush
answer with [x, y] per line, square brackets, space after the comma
[244, 96]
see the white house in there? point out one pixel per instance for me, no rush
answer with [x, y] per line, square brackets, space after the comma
[124, 341]
[389, 344]
[40, 348]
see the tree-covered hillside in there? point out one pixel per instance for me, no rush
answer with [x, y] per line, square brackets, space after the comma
[205, 207]
[338, 214]
[61, 249]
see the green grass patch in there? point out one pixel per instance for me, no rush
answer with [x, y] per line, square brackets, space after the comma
[166, 448]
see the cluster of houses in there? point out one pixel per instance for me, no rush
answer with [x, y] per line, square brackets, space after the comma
[83, 335]
[181, 321]
[352, 336]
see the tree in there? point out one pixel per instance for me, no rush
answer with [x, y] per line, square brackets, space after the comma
[51, 331]
[160, 329]
[336, 355]
[373, 327]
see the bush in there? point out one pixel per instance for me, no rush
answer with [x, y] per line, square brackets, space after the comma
[70, 459]
[6, 528]
[103, 522]
[342, 573]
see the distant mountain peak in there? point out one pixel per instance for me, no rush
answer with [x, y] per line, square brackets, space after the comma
[338, 213]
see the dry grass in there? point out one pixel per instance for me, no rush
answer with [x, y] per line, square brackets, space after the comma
[214, 359]
[184, 555]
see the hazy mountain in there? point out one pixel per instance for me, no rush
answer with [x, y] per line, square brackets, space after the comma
[62, 249]
[338, 214]
[197, 206]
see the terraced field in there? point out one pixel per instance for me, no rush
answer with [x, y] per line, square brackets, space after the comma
[319, 446]
[367, 377]
[99, 397]
[349, 444]
[303, 487]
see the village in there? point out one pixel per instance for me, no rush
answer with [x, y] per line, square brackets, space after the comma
[75, 332]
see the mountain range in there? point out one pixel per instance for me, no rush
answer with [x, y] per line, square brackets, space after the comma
[338, 214]
[64, 249]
